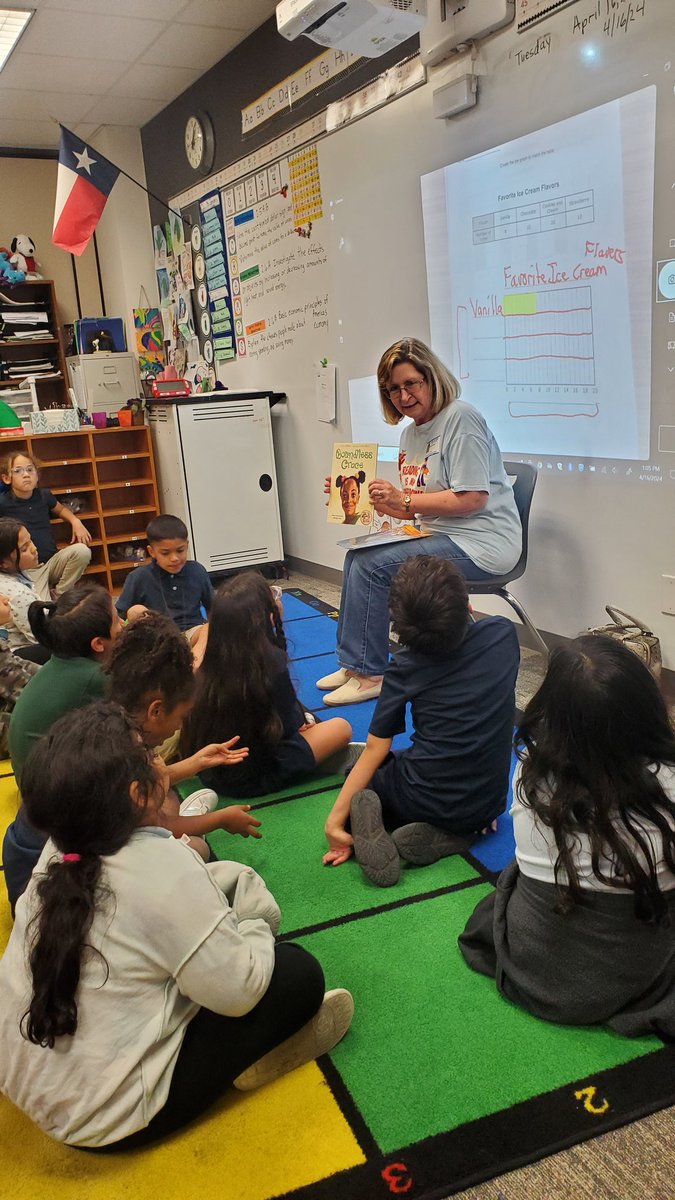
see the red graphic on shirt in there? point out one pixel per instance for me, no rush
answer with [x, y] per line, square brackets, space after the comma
[414, 477]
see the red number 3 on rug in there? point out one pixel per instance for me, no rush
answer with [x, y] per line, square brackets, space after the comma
[397, 1178]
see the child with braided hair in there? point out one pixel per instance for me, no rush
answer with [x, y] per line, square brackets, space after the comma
[243, 686]
[123, 1014]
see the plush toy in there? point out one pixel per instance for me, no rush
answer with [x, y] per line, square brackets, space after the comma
[7, 273]
[23, 255]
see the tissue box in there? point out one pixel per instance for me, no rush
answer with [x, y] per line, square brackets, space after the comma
[55, 420]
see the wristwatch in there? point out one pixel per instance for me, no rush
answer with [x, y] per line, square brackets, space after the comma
[407, 501]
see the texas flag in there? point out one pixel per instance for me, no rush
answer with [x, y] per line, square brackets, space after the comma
[84, 182]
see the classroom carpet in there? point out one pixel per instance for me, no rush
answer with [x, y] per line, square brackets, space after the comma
[439, 1084]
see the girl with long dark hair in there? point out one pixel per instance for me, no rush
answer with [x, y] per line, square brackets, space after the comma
[243, 687]
[123, 1014]
[18, 556]
[76, 632]
[581, 928]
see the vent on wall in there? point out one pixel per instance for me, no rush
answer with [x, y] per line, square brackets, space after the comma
[222, 412]
[250, 557]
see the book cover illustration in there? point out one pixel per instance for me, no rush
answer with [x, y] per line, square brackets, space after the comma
[353, 468]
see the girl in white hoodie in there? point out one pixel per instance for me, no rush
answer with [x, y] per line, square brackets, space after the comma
[139, 982]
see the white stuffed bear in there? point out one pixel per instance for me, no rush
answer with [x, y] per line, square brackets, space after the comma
[23, 256]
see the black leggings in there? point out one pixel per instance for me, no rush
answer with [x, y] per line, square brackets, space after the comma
[216, 1049]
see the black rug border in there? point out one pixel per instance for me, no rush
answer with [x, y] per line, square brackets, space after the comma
[491, 1146]
[322, 606]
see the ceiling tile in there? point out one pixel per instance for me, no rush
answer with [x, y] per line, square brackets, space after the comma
[62, 74]
[89, 36]
[39, 135]
[30, 105]
[191, 46]
[154, 83]
[235, 14]
[123, 110]
[122, 8]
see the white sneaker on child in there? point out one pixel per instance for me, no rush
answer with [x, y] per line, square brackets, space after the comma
[326, 1028]
[199, 803]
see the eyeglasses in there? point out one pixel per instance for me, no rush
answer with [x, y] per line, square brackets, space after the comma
[410, 386]
[23, 470]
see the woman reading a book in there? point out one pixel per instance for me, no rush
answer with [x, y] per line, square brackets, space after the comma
[452, 478]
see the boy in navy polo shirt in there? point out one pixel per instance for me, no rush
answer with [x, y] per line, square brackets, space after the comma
[33, 507]
[459, 677]
[170, 584]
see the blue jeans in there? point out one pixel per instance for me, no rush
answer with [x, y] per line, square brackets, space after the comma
[363, 627]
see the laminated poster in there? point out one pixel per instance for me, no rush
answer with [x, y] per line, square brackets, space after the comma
[353, 468]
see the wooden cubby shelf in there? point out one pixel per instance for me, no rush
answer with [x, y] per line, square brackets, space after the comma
[97, 454]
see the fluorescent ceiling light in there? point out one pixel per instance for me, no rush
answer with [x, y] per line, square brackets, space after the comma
[13, 21]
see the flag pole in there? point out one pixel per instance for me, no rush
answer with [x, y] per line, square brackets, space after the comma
[186, 220]
[98, 272]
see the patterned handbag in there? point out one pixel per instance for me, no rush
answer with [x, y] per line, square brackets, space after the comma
[633, 634]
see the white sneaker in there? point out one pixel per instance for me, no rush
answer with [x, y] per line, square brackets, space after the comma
[199, 803]
[326, 1028]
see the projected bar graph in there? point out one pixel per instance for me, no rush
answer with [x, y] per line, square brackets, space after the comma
[548, 338]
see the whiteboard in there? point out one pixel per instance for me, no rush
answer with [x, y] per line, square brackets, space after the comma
[370, 285]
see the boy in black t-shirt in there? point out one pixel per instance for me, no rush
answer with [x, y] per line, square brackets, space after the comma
[459, 677]
[34, 507]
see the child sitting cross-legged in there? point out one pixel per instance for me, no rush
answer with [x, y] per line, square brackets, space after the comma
[139, 983]
[171, 584]
[429, 800]
[243, 686]
[34, 507]
[151, 675]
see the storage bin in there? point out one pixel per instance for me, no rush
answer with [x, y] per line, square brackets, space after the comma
[55, 420]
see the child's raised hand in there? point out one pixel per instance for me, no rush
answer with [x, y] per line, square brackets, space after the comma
[220, 754]
[236, 818]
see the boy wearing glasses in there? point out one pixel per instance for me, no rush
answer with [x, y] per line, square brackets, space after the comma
[34, 507]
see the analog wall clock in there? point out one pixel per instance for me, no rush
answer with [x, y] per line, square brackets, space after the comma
[200, 143]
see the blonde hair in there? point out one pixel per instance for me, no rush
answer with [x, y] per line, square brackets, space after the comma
[444, 387]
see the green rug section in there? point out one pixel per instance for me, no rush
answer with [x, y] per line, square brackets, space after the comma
[288, 857]
[433, 1045]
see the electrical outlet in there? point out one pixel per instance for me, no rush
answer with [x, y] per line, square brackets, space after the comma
[668, 594]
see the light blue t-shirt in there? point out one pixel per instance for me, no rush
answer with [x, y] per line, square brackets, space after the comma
[457, 451]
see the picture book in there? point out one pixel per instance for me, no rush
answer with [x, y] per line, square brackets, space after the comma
[382, 537]
[353, 467]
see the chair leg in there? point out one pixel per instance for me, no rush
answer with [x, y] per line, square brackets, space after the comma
[525, 619]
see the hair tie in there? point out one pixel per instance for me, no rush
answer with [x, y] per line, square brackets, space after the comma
[72, 857]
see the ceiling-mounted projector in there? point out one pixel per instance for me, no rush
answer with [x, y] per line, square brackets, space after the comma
[366, 27]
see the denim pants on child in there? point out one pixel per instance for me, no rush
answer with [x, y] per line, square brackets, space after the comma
[363, 626]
